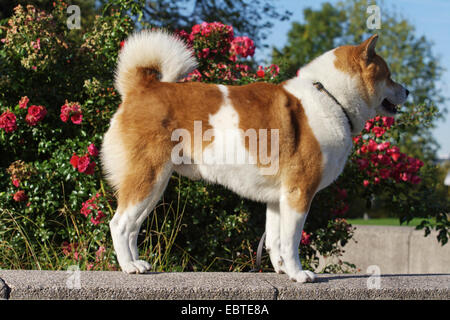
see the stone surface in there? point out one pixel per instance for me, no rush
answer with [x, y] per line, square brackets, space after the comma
[33, 284]
[395, 250]
[426, 255]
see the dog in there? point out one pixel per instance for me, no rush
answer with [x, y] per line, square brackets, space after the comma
[313, 117]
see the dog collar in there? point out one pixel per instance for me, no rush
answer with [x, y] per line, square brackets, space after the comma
[319, 86]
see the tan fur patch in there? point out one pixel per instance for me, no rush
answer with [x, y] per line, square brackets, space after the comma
[369, 67]
[149, 115]
[301, 157]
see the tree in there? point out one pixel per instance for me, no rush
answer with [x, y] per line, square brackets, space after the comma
[252, 18]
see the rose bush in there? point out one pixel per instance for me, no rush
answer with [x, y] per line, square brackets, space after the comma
[56, 100]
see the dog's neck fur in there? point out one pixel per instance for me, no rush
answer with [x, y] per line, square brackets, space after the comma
[344, 87]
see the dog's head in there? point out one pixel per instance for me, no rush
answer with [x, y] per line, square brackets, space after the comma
[381, 94]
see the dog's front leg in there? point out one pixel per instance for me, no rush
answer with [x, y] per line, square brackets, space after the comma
[273, 235]
[292, 219]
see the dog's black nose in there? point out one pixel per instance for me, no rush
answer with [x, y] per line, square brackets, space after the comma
[407, 92]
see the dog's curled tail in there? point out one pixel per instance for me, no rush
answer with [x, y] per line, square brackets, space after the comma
[152, 55]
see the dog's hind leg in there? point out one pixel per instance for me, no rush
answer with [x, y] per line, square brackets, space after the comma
[137, 197]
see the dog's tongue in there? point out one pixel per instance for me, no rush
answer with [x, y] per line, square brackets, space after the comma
[389, 106]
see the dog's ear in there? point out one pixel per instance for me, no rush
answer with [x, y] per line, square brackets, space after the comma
[368, 48]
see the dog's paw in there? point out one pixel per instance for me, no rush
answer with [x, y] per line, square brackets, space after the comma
[137, 266]
[278, 266]
[304, 276]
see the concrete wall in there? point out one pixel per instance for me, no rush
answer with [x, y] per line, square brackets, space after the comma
[115, 285]
[399, 250]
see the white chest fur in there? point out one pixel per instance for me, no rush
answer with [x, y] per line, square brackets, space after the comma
[329, 125]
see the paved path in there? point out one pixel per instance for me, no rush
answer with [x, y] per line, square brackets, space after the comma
[32, 284]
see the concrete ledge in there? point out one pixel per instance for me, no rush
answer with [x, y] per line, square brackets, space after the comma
[397, 250]
[32, 284]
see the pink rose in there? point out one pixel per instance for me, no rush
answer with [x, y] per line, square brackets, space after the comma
[23, 102]
[92, 149]
[243, 46]
[71, 111]
[383, 146]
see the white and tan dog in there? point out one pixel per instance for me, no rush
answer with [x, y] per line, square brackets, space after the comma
[313, 115]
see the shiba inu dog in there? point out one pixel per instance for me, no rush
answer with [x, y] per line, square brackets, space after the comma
[311, 120]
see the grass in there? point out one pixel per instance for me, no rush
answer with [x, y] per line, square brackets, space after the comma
[385, 222]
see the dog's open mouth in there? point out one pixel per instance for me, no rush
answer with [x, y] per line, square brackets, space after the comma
[389, 107]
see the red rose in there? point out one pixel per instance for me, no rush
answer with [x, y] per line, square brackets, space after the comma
[305, 238]
[384, 173]
[15, 182]
[415, 180]
[90, 168]
[8, 121]
[74, 160]
[372, 146]
[260, 73]
[396, 156]
[20, 196]
[388, 121]
[83, 163]
[364, 149]
[379, 131]
[363, 163]
[76, 118]
[369, 125]
[35, 114]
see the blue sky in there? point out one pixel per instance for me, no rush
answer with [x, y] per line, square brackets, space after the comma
[430, 18]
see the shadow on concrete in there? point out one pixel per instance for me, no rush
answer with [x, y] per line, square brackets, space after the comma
[366, 276]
